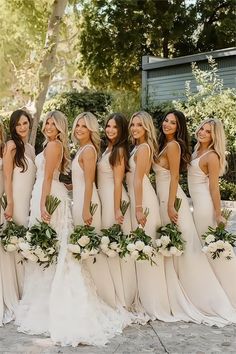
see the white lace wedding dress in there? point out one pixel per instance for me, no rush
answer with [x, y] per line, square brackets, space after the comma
[60, 301]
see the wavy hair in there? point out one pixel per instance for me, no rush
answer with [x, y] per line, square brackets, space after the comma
[120, 147]
[151, 134]
[92, 125]
[19, 158]
[181, 136]
[218, 143]
[60, 121]
[2, 137]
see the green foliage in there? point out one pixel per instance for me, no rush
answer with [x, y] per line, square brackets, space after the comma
[72, 103]
[227, 190]
[125, 101]
[211, 100]
[84, 242]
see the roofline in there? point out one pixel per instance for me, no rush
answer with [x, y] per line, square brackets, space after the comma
[150, 62]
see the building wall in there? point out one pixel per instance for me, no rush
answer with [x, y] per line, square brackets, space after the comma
[168, 82]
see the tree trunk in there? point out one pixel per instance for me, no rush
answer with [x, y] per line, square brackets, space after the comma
[48, 62]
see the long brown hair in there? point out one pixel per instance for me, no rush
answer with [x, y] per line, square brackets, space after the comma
[181, 136]
[120, 147]
[19, 158]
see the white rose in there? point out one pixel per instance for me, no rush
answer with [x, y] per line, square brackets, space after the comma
[28, 236]
[158, 243]
[131, 247]
[105, 240]
[147, 250]
[210, 238]
[14, 240]
[83, 240]
[220, 244]
[173, 250]
[38, 251]
[227, 246]
[212, 247]
[10, 247]
[113, 245]
[134, 255]
[104, 247]
[111, 253]
[165, 240]
[84, 255]
[73, 248]
[139, 245]
[24, 246]
[44, 258]
[21, 239]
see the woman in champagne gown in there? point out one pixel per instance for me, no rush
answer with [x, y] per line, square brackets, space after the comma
[19, 172]
[193, 269]
[157, 301]
[85, 131]
[208, 162]
[8, 283]
[111, 170]
[60, 301]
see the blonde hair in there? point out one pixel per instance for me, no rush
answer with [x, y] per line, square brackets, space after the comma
[60, 121]
[151, 135]
[2, 137]
[92, 125]
[218, 143]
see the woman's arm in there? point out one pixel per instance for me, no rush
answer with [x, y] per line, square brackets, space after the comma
[8, 166]
[173, 156]
[53, 156]
[88, 160]
[142, 161]
[118, 175]
[213, 166]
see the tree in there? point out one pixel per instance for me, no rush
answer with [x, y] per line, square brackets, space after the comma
[48, 61]
[116, 33]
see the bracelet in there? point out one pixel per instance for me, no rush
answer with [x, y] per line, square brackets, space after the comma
[138, 206]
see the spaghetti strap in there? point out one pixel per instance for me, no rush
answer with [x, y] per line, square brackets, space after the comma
[174, 141]
[88, 146]
[205, 153]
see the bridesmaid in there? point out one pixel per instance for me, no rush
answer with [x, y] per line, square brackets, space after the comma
[208, 163]
[85, 132]
[8, 283]
[111, 171]
[205, 291]
[19, 171]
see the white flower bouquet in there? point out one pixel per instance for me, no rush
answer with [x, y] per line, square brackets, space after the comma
[113, 237]
[10, 232]
[170, 241]
[40, 243]
[219, 242]
[138, 245]
[84, 241]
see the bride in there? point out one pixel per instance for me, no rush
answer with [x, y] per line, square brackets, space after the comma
[60, 301]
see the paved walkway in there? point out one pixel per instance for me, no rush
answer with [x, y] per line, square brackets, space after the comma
[155, 337]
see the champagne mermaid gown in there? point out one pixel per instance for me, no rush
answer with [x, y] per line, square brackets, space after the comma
[99, 270]
[203, 214]
[123, 272]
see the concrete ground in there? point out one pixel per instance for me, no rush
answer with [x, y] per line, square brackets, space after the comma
[155, 337]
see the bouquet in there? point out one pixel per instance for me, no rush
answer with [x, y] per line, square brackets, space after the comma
[138, 245]
[113, 237]
[10, 233]
[40, 243]
[170, 242]
[84, 241]
[219, 242]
